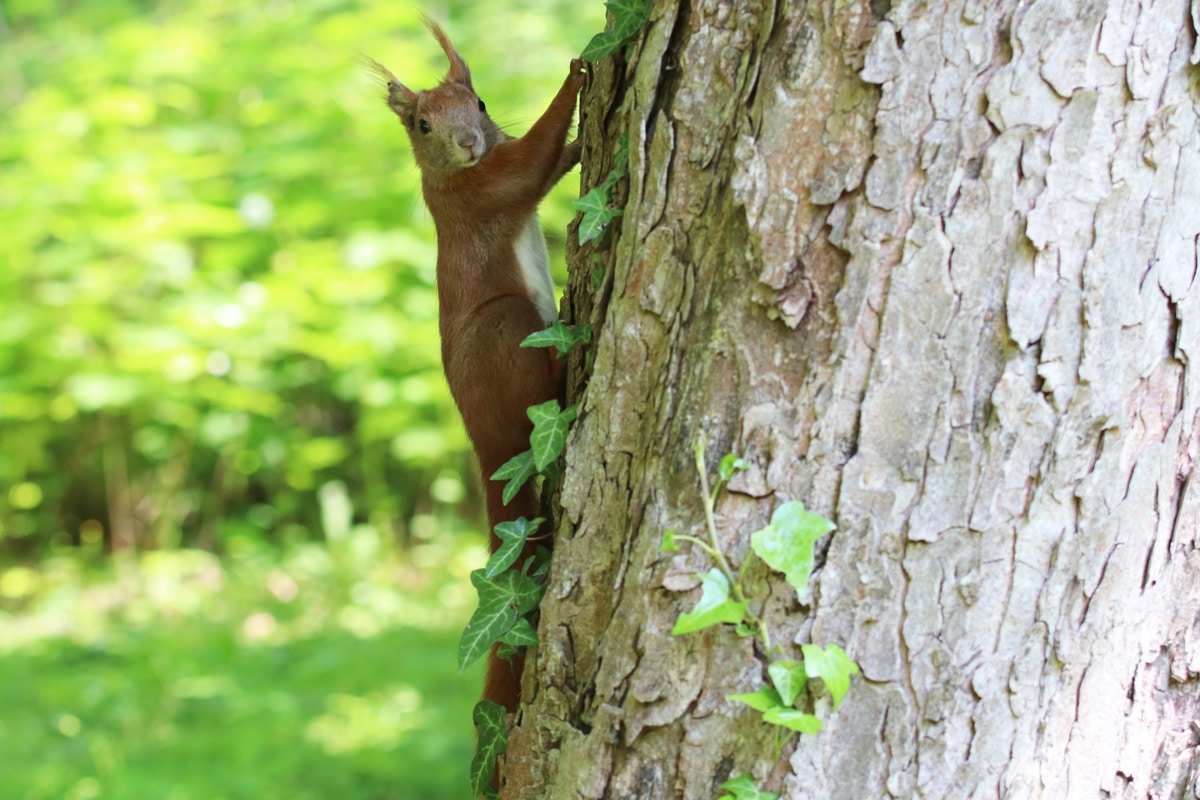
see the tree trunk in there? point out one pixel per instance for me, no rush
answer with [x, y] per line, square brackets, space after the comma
[932, 270]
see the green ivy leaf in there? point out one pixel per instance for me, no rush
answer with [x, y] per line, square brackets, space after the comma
[714, 607]
[537, 566]
[526, 593]
[743, 787]
[794, 720]
[502, 601]
[789, 678]
[512, 537]
[521, 634]
[628, 18]
[549, 435]
[601, 45]
[490, 741]
[764, 699]
[596, 213]
[491, 620]
[730, 464]
[832, 666]
[628, 15]
[786, 545]
[560, 336]
[518, 469]
[669, 545]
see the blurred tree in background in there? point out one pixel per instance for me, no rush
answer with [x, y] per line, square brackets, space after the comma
[217, 307]
[218, 330]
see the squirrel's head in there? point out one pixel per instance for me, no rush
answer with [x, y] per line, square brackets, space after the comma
[448, 125]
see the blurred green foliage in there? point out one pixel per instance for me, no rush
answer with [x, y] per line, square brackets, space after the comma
[217, 305]
[304, 672]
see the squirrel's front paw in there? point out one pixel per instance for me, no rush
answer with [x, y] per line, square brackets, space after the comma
[578, 72]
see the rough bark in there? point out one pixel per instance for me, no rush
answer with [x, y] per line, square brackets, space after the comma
[932, 268]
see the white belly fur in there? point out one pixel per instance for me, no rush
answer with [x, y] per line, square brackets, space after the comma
[535, 269]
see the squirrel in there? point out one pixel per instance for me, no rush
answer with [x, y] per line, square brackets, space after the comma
[482, 188]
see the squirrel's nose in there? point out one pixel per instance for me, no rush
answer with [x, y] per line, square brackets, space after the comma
[471, 142]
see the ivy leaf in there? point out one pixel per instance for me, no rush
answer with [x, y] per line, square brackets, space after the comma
[596, 213]
[526, 593]
[491, 620]
[601, 45]
[502, 600]
[786, 545]
[743, 787]
[537, 566]
[669, 545]
[628, 18]
[512, 537]
[559, 336]
[832, 666]
[521, 634]
[789, 678]
[714, 607]
[794, 720]
[764, 699]
[490, 741]
[549, 435]
[518, 469]
[730, 464]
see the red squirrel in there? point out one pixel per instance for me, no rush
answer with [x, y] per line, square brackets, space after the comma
[482, 188]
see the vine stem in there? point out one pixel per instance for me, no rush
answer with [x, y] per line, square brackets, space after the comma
[703, 545]
[735, 581]
[712, 524]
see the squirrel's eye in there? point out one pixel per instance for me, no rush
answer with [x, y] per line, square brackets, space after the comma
[482, 107]
[423, 126]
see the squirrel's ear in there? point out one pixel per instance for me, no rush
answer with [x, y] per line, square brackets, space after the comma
[458, 67]
[400, 98]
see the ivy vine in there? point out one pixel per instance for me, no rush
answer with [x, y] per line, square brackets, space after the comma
[509, 593]
[785, 545]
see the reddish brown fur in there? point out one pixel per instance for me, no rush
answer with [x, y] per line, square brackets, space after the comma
[481, 188]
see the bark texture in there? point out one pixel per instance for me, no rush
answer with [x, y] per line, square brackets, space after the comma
[932, 268]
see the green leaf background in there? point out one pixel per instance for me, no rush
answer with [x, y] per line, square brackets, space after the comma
[216, 272]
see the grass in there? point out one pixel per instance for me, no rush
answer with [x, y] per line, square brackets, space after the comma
[178, 676]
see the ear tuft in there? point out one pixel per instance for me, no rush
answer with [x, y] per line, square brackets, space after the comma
[459, 73]
[377, 70]
[400, 98]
